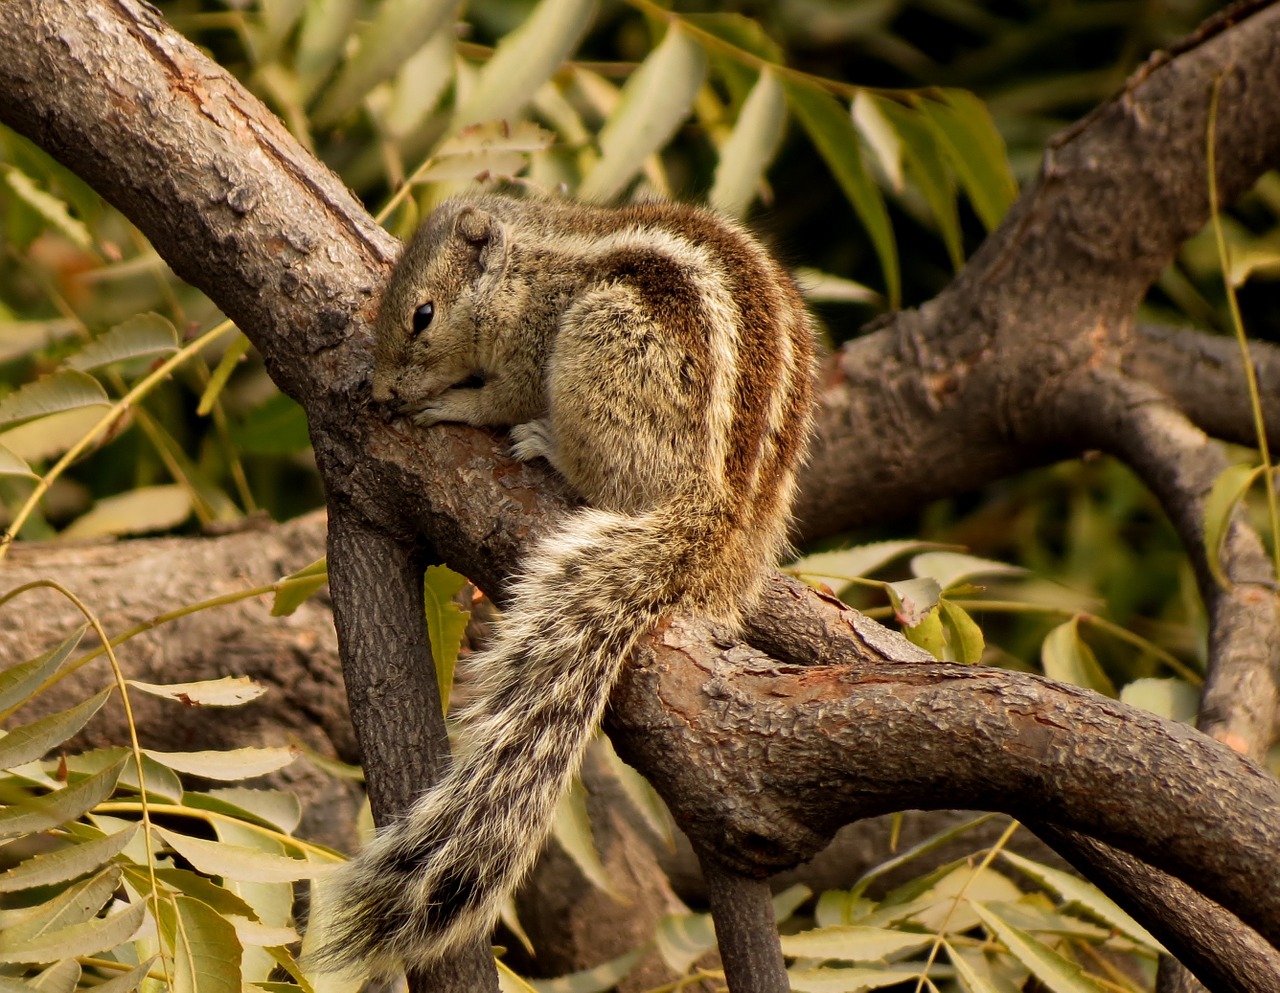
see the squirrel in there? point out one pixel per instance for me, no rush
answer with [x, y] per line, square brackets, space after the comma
[662, 362]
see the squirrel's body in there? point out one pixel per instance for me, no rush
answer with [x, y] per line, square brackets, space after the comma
[661, 360]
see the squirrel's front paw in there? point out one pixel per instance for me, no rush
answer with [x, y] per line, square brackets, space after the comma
[532, 440]
[428, 415]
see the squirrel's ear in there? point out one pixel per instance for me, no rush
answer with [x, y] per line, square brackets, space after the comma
[484, 235]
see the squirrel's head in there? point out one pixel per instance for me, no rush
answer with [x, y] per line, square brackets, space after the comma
[433, 314]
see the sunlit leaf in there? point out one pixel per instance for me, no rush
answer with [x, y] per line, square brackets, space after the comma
[162, 783]
[681, 939]
[206, 951]
[49, 436]
[526, 58]
[1056, 972]
[970, 978]
[823, 287]
[125, 982]
[279, 808]
[1067, 658]
[655, 101]
[64, 863]
[1228, 489]
[92, 936]
[30, 741]
[322, 37]
[137, 511]
[231, 764]
[751, 146]
[139, 337]
[222, 372]
[598, 980]
[851, 943]
[925, 169]
[13, 464]
[495, 148]
[853, 980]
[419, 84]
[399, 28]
[74, 904]
[928, 633]
[1086, 896]
[831, 131]
[19, 338]
[849, 563]
[446, 623]
[19, 681]
[572, 829]
[229, 691]
[880, 135]
[62, 977]
[218, 858]
[68, 389]
[38, 813]
[950, 569]
[913, 599]
[963, 634]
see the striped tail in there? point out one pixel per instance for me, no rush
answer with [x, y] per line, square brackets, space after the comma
[436, 879]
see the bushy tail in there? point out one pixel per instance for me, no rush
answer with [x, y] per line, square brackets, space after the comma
[439, 877]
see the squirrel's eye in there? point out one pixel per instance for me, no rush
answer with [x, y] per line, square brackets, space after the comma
[422, 317]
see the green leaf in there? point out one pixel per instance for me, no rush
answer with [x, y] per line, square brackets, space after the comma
[229, 691]
[914, 599]
[926, 171]
[847, 980]
[323, 35]
[62, 977]
[138, 511]
[51, 208]
[93, 936]
[839, 567]
[66, 390]
[19, 681]
[852, 943]
[972, 980]
[206, 951]
[525, 59]
[297, 587]
[655, 101]
[13, 464]
[965, 130]
[276, 427]
[279, 808]
[231, 358]
[1228, 489]
[1067, 658]
[139, 337]
[229, 764]
[446, 623]
[31, 741]
[1172, 699]
[928, 634]
[823, 287]
[192, 884]
[218, 858]
[19, 338]
[950, 569]
[494, 148]
[399, 28]
[681, 939]
[598, 980]
[880, 135]
[59, 806]
[1059, 974]
[1086, 896]
[572, 829]
[51, 435]
[65, 863]
[75, 904]
[162, 783]
[963, 634]
[126, 982]
[831, 131]
[928, 845]
[751, 146]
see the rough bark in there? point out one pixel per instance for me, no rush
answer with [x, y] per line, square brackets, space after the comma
[986, 379]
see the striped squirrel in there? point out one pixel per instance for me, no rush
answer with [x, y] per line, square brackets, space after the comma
[662, 362]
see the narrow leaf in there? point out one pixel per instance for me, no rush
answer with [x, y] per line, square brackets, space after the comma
[229, 691]
[949, 569]
[831, 131]
[31, 741]
[206, 951]
[751, 146]
[48, 206]
[446, 623]
[63, 977]
[51, 435]
[880, 135]
[963, 634]
[1058, 973]
[218, 858]
[655, 101]
[823, 287]
[53, 394]
[139, 337]
[96, 935]
[1228, 489]
[847, 980]
[851, 943]
[279, 808]
[126, 982]
[598, 980]
[971, 979]
[76, 904]
[13, 464]
[926, 171]
[494, 148]
[147, 508]
[232, 764]
[65, 863]
[218, 378]
[60, 806]
[851, 563]
[1066, 658]
[572, 829]
[525, 59]
[18, 681]
[965, 129]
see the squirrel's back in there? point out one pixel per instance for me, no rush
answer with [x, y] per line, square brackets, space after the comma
[662, 361]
